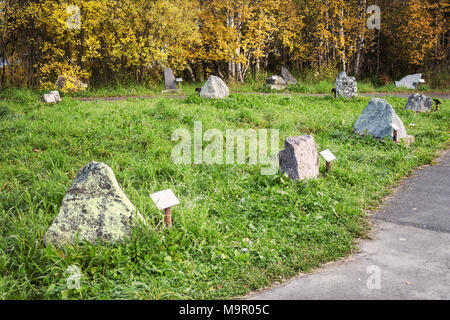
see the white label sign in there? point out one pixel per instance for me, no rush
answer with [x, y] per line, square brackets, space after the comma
[327, 155]
[395, 127]
[164, 199]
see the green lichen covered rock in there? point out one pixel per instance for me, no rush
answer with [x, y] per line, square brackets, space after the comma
[94, 209]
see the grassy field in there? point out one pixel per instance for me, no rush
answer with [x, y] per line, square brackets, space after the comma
[251, 86]
[235, 229]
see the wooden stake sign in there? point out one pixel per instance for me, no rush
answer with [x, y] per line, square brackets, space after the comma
[164, 200]
[328, 156]
[179, 80]
[395, 129]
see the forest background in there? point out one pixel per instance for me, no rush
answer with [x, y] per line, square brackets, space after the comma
[108, 42]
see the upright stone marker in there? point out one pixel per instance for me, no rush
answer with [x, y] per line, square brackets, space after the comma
[169, 79]
[287, 76]
[346, 86]
[299, 159]
[377, 120]
[94, 209]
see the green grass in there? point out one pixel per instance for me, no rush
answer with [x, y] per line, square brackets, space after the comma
[287, 226]
[252, 85]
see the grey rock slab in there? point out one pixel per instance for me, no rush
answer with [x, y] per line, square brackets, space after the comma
[169, 79]
[299, 159]
[410, 81]
[94, 209]
[412, 263]
[214, 88]
[287, 76]
[419, 103]
[376, 120]
[345, 86]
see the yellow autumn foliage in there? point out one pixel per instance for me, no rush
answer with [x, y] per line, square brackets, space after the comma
[133, 40]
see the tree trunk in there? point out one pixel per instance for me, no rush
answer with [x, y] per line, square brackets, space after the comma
[360, 40]
[378, 52]
[341, 38]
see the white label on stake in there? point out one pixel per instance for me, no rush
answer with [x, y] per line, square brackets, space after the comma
[164, 199]
[327, 155]
[395, 127]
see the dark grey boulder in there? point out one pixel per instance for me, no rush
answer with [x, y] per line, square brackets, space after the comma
[419, 103]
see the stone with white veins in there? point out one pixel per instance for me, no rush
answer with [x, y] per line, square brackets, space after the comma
[419, 103]
[299, 159]
[377, 119]
[94, 209]
[214, 88]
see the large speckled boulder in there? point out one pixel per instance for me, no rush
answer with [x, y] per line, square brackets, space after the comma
[299, 159]
[214, 88]
[346, 86]
[95, 208]
[377, 119]
[419, 103]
